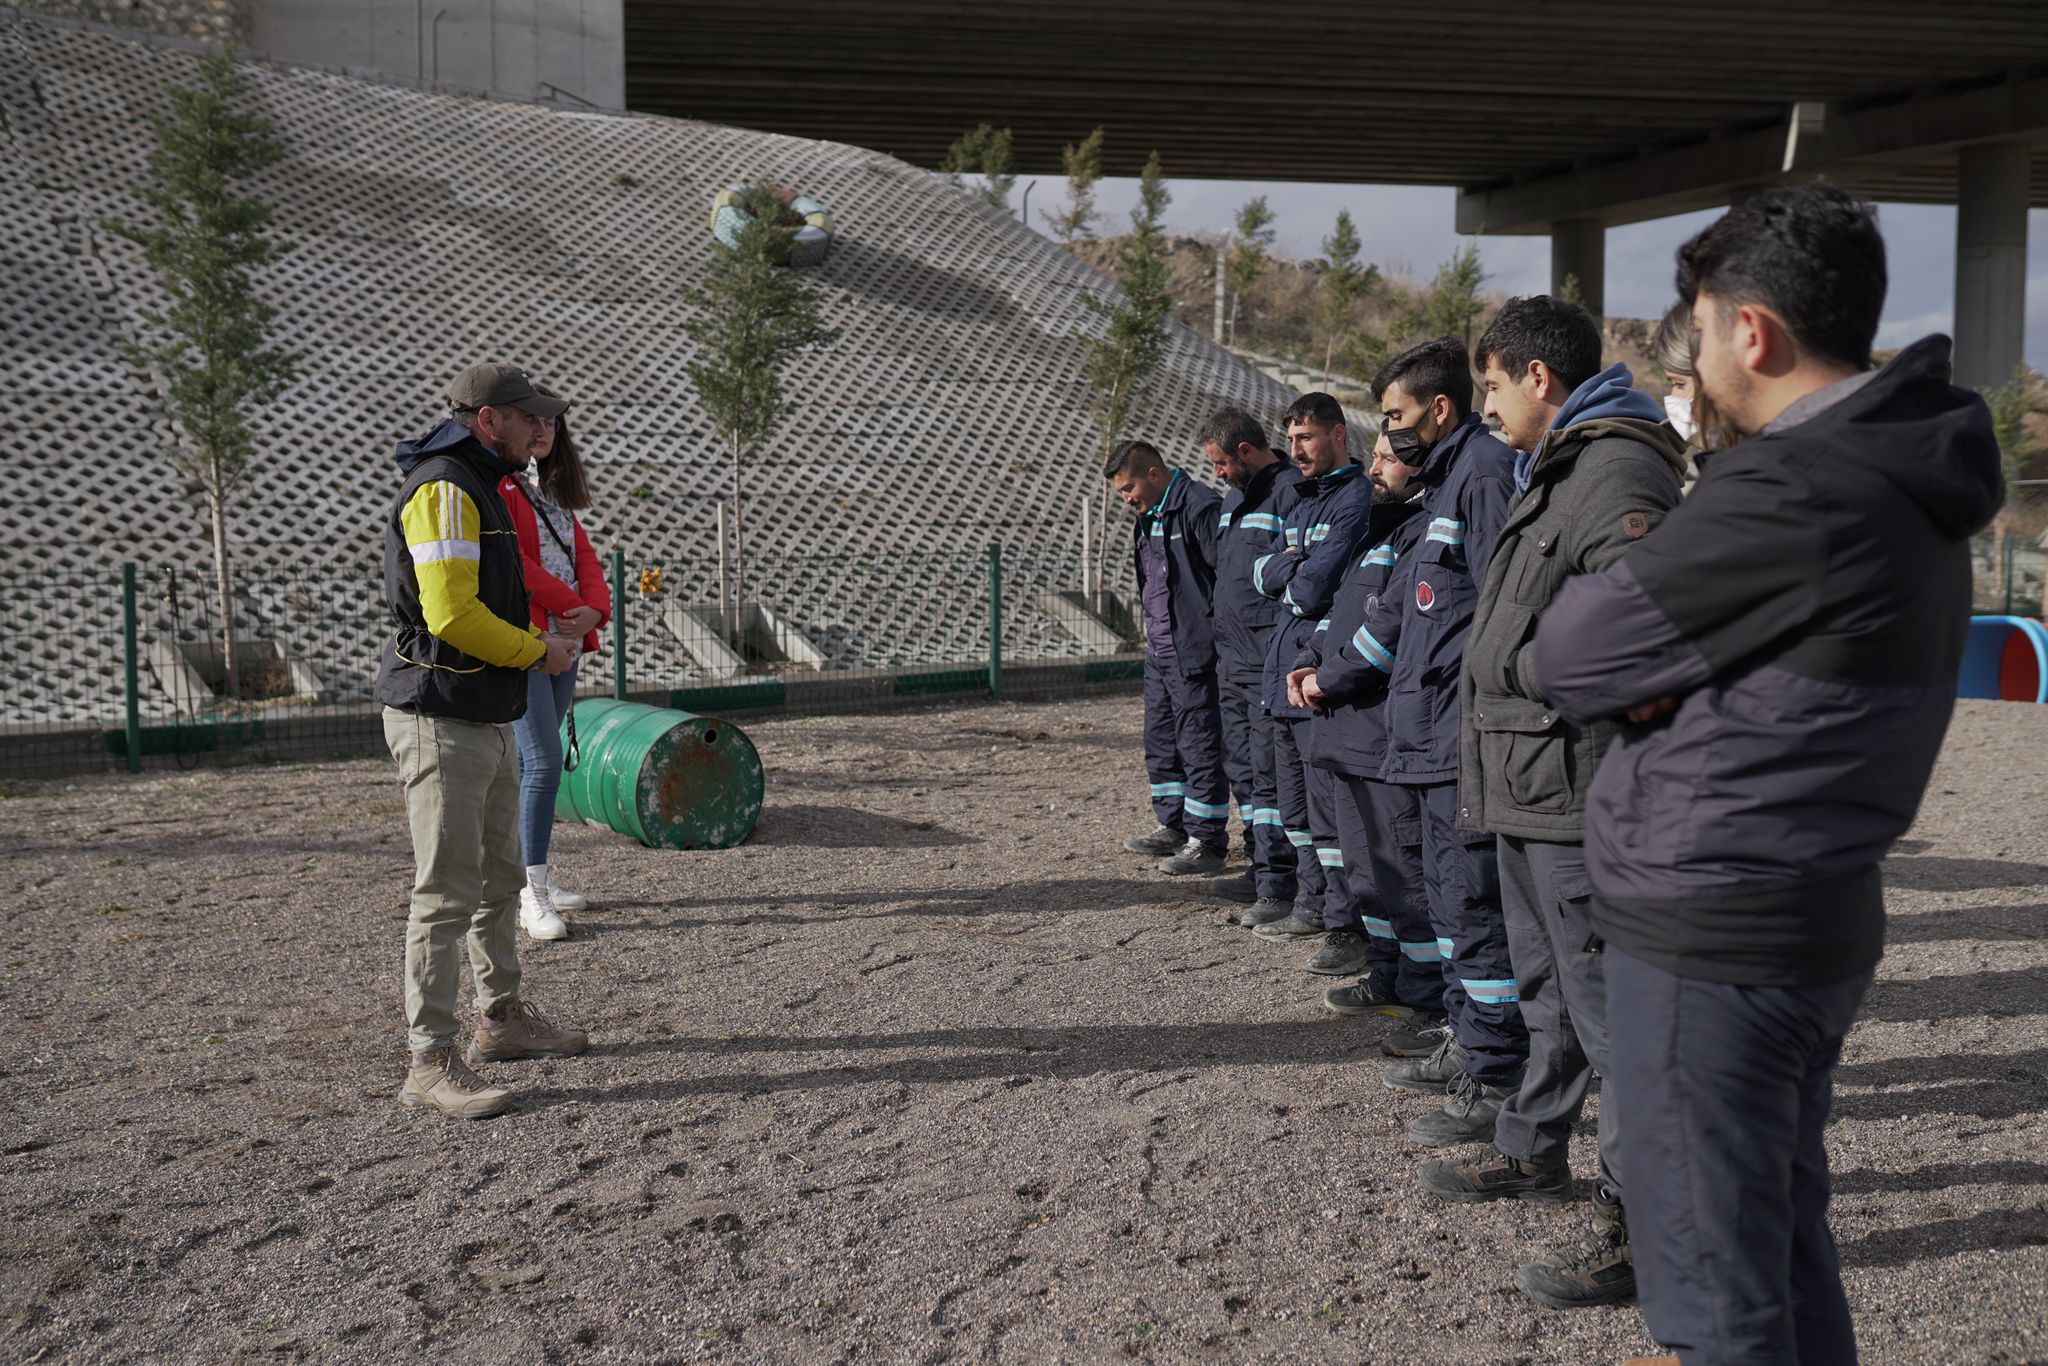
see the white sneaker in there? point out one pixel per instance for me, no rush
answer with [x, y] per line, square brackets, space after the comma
[566, 900]
[538, 916]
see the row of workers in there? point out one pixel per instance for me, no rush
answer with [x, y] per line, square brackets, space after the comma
[1530, 739]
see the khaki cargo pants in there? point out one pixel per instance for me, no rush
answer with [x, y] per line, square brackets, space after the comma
[461, 781]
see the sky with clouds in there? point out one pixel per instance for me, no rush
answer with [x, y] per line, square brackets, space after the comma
[1409, 228]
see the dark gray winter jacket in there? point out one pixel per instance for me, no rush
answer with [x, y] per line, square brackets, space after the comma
[1600, 481]
[1806, 606]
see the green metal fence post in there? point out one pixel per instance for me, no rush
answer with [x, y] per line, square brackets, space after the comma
[131, 667]
[2008, 574]
[995, 621]
[619, 623]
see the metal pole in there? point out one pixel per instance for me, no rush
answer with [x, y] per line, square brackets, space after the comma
[2008, 574]
[1222, 255]
[995, 621]
[1086, 541]
[132, 667]
[725, 623]
[619, 622]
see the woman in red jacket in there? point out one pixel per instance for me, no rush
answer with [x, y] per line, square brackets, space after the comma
[566, 584]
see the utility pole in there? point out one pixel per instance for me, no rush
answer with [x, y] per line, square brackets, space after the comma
[1222, 260]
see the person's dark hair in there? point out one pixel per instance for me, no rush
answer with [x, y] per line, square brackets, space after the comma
[1672, 346]
[1425, 371]
[1812, 254]
[1135, 456]
[1316, 407]
[1229, 428]
[561, 474]
[1557, 332]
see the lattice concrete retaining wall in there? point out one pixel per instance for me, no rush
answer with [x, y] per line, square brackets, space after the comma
[430, 231]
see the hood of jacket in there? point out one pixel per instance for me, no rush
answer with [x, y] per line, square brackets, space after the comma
[446, 438]
[1660, 436]
[1608, 404]
[1928, 437]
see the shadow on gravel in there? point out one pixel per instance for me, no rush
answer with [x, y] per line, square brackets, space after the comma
[2022, 923]
[1940, 1176]
[846, 827]
[1952, 998]
[1927, 874]
[1987, 1085]
[1017, 1056]
[1991, 1231]
[2030, 1067]
[1066, 896]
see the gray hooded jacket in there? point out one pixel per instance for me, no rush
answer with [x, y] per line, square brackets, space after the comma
[1605, 474]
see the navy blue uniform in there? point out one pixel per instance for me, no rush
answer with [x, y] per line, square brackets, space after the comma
[1248, 529]
[1416, 634]
[1322, 537]
[1377, 827]
[1174, 550]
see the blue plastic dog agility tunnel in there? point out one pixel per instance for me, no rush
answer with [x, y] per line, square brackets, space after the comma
[2006, 658]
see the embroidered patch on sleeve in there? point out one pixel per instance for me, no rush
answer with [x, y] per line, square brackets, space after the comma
[1635, 525]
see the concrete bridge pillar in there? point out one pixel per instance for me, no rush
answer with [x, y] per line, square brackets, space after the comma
[1578, 248]
[1991, 261]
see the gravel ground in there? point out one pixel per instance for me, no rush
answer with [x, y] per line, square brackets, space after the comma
[929, 1070]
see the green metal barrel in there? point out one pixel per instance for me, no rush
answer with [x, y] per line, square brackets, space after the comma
[669, 779]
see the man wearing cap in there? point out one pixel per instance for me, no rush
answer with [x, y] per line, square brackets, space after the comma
[452, 681]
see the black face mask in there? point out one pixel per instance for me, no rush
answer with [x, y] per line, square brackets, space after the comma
[1407, 445]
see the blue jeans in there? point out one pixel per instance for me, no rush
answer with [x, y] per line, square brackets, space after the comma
[540, 758]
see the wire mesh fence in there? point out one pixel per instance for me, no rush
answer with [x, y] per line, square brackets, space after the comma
[138, 676]
[2008, 573]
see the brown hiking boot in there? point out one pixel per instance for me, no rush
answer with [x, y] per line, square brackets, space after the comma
[1496, 1176]
[1594, 1269]
[444, 1082]
[524, 1032]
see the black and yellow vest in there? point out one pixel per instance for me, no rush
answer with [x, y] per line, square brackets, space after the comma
[420, 672]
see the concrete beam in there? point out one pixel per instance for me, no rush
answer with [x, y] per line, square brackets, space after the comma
[1991, 262]
[1658, 183]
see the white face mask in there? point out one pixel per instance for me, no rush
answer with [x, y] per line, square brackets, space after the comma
[1680, 412]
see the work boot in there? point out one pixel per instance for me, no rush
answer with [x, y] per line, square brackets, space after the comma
[1496, 1176]
[1420, 1037]
[1343, 953]
[1467, 1117]
[1265, 911]
[1364, 997]
[1434, 1073]
[441, 1081]
[1595, 1268]
[1291, 926]
[538, 915]
[1194, 858]
[1161, 840]
[1240, 888]
[521, 1030]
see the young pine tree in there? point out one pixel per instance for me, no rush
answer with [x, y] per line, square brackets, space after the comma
[1345, 282]
[985, 152]
[206, 348]
[2010, 403]
[750, 318]
[1250, 246]
[1453, 303]
[1083, 165]
[1120, 362]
